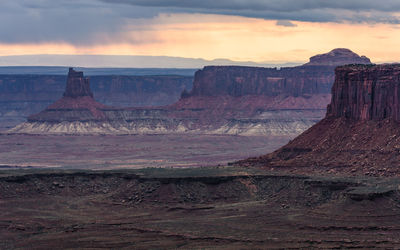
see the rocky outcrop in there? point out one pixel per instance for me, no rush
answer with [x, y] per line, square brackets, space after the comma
[78, 113]
[23, 95]
[224, 100]
[241, 81]
[315, 77]
[366, 93]
[77, 104]
[77, 85]
[360, 133]
[237, 95]
[338, 57]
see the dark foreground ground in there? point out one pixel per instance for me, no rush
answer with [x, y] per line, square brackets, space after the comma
[219, 208]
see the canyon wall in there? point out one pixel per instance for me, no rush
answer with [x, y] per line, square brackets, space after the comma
[251, 100]
[314, 77]
[366, 92]
[241, 81]
[24, 95]
[78, 112]
[224, 100]
[360, 133]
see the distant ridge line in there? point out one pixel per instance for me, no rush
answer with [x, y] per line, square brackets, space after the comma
[61, 70]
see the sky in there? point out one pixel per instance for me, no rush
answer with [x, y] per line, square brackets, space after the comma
[240, 30]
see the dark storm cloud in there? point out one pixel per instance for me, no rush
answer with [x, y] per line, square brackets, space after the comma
[86, 22]
[371, 11]
[273, 5]
[78, 22]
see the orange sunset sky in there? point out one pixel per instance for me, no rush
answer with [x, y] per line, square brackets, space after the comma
[208, 35]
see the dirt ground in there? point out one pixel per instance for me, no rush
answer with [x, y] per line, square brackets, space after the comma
[131, 151]
[202, 208]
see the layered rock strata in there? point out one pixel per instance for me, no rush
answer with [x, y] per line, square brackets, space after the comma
[265, 101]
[224, 100]
[23, 95]
[77, 112]
[315, 77]
[241, 81]
[77, 103]
[77, 85]
[366, 93]
[360, 133]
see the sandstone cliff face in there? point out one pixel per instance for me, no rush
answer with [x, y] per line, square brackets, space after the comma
[23, 95]
[360, 133]
[315, 77]
[139, 91]
[242, 100]
[76, 104]
[232, 94]
[366, 93]
[77, 85]
[241, 81]
[224, 100]
[78, 113]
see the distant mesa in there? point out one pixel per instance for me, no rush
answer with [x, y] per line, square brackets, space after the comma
[338, 57]
[223, 100]
[360, 133]
[77, 104]
[293, 81]
[263, 101]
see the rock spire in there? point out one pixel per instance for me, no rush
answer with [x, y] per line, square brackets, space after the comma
[77, 85]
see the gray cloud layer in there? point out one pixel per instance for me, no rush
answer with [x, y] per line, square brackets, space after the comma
[271, 5]
[372, 11]
[85, 22]
[78, 22]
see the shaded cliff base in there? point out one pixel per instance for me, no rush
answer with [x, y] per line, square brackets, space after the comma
[219, 208]
[339, 146]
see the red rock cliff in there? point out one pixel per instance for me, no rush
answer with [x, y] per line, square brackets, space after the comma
[241, 81]
[77, 104]
[77, 85]
[360, 133]
[315, 77]
[366, 92]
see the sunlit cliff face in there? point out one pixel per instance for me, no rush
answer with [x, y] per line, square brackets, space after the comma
[232, 37]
